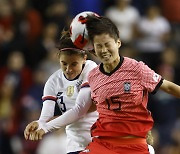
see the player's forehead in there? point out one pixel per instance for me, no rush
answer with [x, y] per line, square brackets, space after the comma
[103, 38]
[73, 58]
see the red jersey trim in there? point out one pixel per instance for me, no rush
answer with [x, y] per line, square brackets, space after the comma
[86, 84]
[52, 98]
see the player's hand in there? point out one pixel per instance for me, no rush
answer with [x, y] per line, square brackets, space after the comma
[30, 128]
[36, 135]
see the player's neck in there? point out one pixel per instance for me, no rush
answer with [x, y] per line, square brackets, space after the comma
[109, 67]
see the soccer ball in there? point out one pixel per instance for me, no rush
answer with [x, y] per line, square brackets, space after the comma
[78, 31]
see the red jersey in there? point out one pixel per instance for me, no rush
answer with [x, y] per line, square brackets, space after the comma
[121, 98]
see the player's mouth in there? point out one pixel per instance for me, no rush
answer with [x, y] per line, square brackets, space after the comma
[106, 56]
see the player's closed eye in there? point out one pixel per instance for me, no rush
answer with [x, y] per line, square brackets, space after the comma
[108, 45]
[74, 64]
[98, 46]
[64, 64]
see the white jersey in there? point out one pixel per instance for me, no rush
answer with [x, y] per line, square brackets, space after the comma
[151, 149]
[64, 92]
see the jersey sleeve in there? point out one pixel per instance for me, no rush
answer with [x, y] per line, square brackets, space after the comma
[83, 103]
[47, 111]
[90, 65]
[49, 89]
[49, 100]
[149, 79]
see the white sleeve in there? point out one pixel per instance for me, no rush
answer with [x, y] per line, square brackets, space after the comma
[83, 103]
[47, 111]
[89, 66]
[48, 99]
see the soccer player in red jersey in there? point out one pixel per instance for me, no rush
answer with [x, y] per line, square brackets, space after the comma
[120, 88]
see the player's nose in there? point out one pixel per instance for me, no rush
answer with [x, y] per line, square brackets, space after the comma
[68, 69]
[104, 49]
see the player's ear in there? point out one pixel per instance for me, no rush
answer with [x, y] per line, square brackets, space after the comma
[118, 43]
[85, 58]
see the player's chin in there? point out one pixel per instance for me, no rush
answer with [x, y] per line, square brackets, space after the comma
[70, 76]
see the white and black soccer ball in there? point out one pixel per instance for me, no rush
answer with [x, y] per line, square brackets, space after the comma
[78, 31]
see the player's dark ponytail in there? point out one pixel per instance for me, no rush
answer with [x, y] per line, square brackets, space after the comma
[66, 45]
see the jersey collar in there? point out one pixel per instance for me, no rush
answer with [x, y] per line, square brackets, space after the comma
[117, 67]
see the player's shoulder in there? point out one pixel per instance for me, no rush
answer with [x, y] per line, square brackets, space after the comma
[55, 76]
[132, 62]
[89, 65]
[94, 72]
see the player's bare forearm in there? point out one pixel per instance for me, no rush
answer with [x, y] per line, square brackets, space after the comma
[171, 88]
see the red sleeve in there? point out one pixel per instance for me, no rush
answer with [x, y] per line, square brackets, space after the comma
[149, 79]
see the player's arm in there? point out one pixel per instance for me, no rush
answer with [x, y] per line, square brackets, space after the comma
[171, 88]
[83, 104]
[47, 113]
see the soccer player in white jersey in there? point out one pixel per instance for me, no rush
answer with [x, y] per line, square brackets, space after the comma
[64, 87]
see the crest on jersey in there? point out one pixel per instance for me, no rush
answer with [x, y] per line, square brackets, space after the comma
[127, 87]
[70, 91]
[155, 77]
